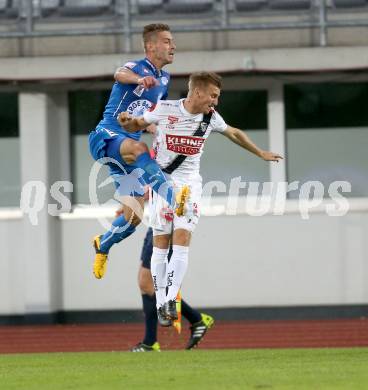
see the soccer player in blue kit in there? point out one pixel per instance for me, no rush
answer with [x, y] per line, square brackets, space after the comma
[138, 86]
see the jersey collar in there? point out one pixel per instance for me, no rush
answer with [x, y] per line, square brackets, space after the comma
[155, 71]
[184, 111]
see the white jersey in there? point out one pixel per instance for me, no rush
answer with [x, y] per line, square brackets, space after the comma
[174, 136]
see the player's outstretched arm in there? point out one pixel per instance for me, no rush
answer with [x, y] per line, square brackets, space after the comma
[126, 76]
[240, 138]
[130, 123]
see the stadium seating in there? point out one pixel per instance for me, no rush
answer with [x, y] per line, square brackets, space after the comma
[249, 5]
[85, 7]
[19, 8]
[12, 8]
[2, 8]
[349, 3]
[188, 6]
[290, 4]
[148, 6]
[48, 6]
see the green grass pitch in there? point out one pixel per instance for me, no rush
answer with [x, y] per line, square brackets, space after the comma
[202, 369]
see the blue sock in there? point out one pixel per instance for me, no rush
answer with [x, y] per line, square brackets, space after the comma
[119, 230]
[155, 178]
[189, 313]
[150, 319]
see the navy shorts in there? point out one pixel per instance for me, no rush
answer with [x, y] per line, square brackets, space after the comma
[147, 250]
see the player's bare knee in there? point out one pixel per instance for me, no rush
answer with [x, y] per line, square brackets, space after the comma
[127, 151]
[161, 241]
[140, 148]
[181, 237]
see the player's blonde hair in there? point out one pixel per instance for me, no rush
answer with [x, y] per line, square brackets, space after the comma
[203, 79]
[150, 31]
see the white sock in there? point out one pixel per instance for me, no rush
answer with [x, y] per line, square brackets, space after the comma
[158, 272]
[176, 270]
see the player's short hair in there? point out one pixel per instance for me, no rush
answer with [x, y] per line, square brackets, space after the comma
[150, 31]
[203, 79]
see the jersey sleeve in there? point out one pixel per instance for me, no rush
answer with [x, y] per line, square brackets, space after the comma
[166, 82]
[135, 66]
[217, 122]
[152, 114]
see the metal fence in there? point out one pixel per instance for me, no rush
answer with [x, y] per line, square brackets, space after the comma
[39, 18]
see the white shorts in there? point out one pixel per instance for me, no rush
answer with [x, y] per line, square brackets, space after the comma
[160, 225]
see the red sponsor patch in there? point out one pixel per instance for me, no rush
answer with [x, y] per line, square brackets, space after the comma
[172, 119]
[184, 144]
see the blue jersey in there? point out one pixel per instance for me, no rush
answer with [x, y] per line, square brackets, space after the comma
[133, 98]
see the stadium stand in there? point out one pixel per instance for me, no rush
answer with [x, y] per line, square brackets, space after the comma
[85, 7]
[290, 4]
[2, 7]
[53, 17]
[47, 7]
[13, 8]
[149, 6]
[349, 3]
[250, 5]
[188, 6]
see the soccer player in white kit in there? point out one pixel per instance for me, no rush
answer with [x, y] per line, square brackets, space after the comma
[182, 129]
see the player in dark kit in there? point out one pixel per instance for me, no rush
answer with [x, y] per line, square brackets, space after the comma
[200, 322]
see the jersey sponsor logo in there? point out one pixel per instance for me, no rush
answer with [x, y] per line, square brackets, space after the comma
[184, 144]
[130, 65]
[138, 107]
[139, 90]
[164, 80]
[172, 119]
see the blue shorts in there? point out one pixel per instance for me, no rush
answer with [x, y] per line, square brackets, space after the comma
[106, 143]
[147, 250]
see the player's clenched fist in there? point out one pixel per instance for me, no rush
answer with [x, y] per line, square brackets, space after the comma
[130, 123]
[124, 119]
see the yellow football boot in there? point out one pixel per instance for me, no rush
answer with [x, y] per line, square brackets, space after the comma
[99, 266]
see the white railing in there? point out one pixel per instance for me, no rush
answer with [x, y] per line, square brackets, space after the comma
[125, 17]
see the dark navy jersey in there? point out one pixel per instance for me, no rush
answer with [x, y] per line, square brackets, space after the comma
[134, 98]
